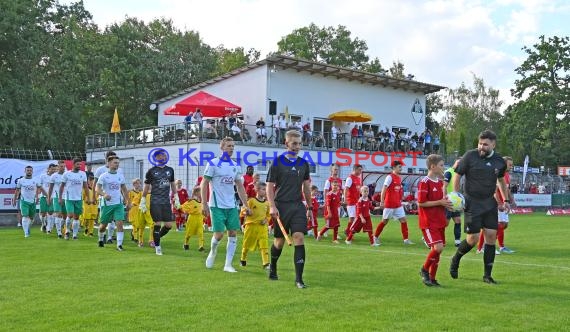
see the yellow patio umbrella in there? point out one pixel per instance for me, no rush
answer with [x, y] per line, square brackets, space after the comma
[350, 116]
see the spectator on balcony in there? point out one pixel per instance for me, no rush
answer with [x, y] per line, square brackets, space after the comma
[354, 137]
[223, 126]
[360, 137]
[380, 139]
[260, 131]
[198, 118]
[232, 120]
[210, 130]
[370, 140]
[427, 140]
[421, 140]
[436, 144]
[297, 125]
[392, 140]
[307, 133]
[282, 125]
[334, 136]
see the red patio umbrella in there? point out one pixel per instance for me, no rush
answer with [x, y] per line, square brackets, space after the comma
[210, 106]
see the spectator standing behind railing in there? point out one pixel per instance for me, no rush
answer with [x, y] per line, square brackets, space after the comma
[198, 118]
[427, 140]
[282, 125]
[436, 143]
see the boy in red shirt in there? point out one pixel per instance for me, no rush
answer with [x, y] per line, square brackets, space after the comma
[391, 200]
[363, 221]
[331, 213]
[313, 224]
[432, 204]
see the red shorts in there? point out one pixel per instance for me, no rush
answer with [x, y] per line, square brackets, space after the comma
[333, 221]
[357, 226]
[434, 235]
[312, 223]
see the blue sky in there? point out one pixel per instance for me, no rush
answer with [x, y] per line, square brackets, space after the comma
[440, 42]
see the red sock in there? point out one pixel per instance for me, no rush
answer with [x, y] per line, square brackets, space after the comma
[481, 241]
[430, 259]
[379, 228]
[335, 234]
[315, 231]
[323, 231]
[404, 228]
[434, 265]
[370, 238]
[349, 226]
[501, 235]
[350, 236]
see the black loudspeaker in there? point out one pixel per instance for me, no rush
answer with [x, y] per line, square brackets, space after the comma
[272, 107]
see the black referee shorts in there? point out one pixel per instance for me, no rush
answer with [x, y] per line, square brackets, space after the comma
[161, 212]
[293, 216]
[480, 213]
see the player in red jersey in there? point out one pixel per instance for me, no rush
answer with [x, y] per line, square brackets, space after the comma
[250, 188]
[391, 199]
[352, 194]
[248, 177]
[334, 171]
[179, 215]
[331, 213]
[363, 221]
[432, 205]
[503, 214]
[313, 224]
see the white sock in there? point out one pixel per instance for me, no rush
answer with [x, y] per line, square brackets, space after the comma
[75, 227]
[44, 220]
[49, 223]
[214, 245]
[58, 222]
[67, 224]
[110, 230]
[231, 249]
[120, 236]
[101, 234]
[26, 225]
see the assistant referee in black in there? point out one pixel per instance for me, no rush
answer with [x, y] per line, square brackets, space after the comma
[484, 170]
[288, 180]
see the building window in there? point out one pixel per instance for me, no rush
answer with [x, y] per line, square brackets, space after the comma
[140, 169]
[313, 169]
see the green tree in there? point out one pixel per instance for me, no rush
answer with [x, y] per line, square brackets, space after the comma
[434, 105]
[461, 148]
[470, 110]
[538, 121]
[330, 45]
[397, 70]
[230, 59]
[443, 142]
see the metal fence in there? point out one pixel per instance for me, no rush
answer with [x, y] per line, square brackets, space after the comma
[194, 132]
[35, 155]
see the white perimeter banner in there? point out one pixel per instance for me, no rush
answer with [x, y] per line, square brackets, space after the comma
[13, 169]
[533, 200]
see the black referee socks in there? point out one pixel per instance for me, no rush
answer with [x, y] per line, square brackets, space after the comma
[299, 260]
[489, 259]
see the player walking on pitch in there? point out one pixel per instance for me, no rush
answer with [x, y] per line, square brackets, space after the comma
[482, 168]
[220, 176]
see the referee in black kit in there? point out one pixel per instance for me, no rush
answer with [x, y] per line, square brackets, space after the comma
[483, 169]
[287, 176]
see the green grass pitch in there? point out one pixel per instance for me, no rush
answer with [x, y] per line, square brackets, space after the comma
[58, 285]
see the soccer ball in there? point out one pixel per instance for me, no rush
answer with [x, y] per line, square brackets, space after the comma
[457, 201]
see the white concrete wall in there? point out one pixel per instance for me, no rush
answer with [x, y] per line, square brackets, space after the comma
[247, 90]
[317, 96]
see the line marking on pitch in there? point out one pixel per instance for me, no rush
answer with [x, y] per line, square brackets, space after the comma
[449, 257]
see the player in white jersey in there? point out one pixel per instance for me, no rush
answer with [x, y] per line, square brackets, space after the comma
[103, 169]
[221, 175]
[112, 188]
[27, 189]
[46, 210]
[53, 197]
[72, 183]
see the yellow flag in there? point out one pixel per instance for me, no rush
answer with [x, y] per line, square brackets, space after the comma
[116, 127]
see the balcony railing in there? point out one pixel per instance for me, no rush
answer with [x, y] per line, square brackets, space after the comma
[194, 132]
